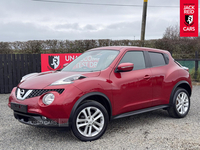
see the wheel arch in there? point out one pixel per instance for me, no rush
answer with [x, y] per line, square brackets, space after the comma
[94, 96]
[181, 84]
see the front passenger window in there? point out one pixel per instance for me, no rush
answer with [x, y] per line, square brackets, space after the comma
[135, 57]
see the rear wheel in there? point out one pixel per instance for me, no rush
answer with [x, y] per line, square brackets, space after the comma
[181, 104]
[89, 121]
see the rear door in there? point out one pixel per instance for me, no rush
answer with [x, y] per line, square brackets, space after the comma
[132, 90]
[159, 71]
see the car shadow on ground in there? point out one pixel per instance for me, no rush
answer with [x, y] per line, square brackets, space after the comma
[115, 126]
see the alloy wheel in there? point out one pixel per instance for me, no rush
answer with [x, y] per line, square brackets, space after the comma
[90, 121]
[182, 103]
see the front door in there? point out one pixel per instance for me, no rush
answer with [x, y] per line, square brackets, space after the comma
[132, 90]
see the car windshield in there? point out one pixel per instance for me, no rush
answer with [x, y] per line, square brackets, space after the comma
[92, 61]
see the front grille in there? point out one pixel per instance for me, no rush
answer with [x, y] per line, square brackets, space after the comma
[39, 92]
[35, 93]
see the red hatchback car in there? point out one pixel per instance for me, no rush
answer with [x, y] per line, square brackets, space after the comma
[100, 85]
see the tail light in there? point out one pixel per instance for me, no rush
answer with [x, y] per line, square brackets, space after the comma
[186, 68]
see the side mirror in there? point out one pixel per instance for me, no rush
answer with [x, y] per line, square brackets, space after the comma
[124, 67]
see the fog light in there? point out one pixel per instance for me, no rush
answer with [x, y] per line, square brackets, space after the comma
[48, 99]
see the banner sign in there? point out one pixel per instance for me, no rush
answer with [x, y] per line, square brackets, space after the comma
[56, 61]
[189, 18]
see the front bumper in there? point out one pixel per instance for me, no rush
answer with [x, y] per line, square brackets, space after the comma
[37, 120]
[32, 111]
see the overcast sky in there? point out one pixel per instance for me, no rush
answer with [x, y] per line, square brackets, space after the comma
[23, 20]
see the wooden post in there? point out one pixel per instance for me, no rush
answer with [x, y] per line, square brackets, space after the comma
[143, 22]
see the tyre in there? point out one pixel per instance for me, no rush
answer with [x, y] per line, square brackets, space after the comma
[181, 104]
[90, 121]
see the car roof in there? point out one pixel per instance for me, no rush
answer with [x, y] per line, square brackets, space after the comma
[124, 48]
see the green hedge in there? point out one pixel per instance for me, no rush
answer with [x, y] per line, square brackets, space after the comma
[62, 46]
[180, 48]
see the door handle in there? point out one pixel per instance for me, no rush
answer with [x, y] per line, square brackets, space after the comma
[147, 77]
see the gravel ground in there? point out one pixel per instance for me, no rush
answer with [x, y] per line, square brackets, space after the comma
[154, 130]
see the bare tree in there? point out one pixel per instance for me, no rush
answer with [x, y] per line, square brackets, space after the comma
[172, 32]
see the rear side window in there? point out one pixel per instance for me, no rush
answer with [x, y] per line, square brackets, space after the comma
[157, 59]
[135, 57]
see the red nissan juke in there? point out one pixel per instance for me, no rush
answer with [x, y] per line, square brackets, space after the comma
[100, 85]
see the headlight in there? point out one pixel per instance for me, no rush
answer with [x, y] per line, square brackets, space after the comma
[68, 80]
[62, 81]
[48, 98]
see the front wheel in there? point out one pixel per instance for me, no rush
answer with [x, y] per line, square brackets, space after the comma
[89, 121]
[181, 104]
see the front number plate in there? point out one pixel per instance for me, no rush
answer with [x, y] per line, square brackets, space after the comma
[19, 107]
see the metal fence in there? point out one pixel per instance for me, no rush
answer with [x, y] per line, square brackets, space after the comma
[13, 67]
[191, 63]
